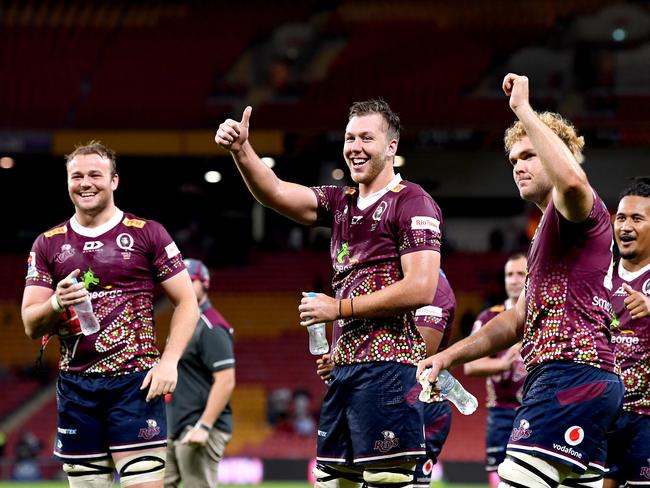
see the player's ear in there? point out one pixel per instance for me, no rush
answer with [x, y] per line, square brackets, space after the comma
[115, 181]
[392, 148]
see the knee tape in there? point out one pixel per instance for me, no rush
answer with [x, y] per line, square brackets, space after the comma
[520, 470]
[589, 479]
[390, 476]
[328, 476]
[141, 468]
[90, 474]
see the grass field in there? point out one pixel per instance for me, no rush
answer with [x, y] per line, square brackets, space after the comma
[268, 484]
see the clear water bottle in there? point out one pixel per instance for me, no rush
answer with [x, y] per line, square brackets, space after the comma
[87, 320]
[451, 388]
[318, 344]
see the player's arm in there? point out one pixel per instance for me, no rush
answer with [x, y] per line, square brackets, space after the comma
[218, 397]
[416, 289]
[572, 194]
[162, 377]
[295, 201]
[501, 332]
[40, 312]
[432, 338]
[489, 366]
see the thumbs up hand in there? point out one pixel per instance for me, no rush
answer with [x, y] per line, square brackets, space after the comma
[232, 134]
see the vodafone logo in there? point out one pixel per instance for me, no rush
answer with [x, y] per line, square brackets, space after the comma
[574, 435]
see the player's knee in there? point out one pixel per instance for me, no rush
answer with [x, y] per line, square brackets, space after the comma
[390, 476]
[90, 474]
[141, 468]
[328, 476]
[589, 479]
[520, 470]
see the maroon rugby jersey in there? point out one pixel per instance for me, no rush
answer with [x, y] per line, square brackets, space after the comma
[505, 389]
[369, 236]
[567, 290]
[631, 340]
[120, 262]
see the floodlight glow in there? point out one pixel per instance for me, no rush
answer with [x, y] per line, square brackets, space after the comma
[212, 177]
[399, 161]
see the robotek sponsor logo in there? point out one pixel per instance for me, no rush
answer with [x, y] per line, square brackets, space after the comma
[603, 303]
[567, 450]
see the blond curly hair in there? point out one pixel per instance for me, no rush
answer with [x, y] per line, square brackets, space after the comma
[558, 124]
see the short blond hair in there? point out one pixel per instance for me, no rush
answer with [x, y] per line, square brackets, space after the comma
[94, 147]
[558, 124]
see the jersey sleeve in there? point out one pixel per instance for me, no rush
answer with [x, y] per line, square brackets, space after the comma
[217, 349]
[326, 197]
[38, 269]
[432, 317]
[419, 222]
[166, 257]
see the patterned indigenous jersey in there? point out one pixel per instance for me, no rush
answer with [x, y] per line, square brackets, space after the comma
[631, 340]
[120, 263]
[439, 316]
[505, 389]
[369, 236]
[567, 290]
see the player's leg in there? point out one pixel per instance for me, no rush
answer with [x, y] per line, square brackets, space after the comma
[498, 429]
[437, 422]
[589, 479]
[386, 423]
[521, 470]
[333, 468]
[141, 469]
[629, 452]
[90, 474]
[198, 466]
[80, 442]
[390, 475]
[137, 432]
[334, 476]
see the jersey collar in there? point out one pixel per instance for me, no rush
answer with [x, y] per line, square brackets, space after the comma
[631, 275]
[96, 231]
[365, 202]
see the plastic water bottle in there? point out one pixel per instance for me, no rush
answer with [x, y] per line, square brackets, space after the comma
[451, 388]
[87, 320]
[318, 344]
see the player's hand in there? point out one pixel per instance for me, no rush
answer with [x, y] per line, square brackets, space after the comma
[161, 379]
[436, 363]
[320, 308]
[69, 293]
[324, 367]
[196, 437]
[516, 87]
[231, 134]
[636, 303]
[511, 355]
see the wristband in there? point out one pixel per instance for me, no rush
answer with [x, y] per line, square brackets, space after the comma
[346, 308]
[56, 306]
[201, 425]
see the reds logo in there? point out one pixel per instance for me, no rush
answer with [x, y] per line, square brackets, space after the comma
[388, 442]
[521, 432]
[150, 431]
